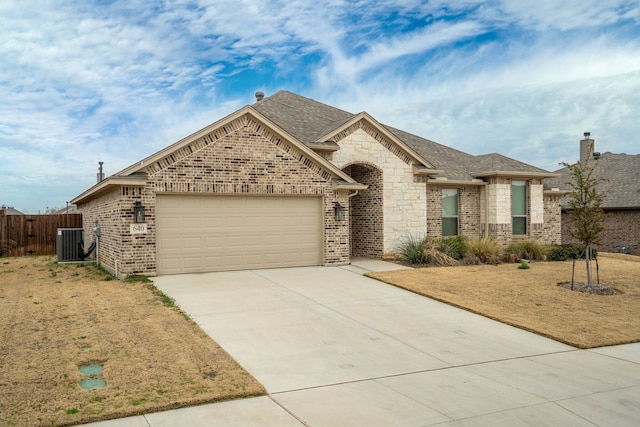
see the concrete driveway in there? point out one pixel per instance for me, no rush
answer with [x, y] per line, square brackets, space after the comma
[334, 348]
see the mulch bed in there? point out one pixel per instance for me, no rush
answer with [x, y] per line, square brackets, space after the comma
[595, 288]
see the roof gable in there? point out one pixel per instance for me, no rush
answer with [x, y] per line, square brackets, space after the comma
[315, 123]
[319, 126]
[197, 141]
[246, 116]
[380, 133]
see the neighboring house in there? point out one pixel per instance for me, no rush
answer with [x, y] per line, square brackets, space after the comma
[8, 210]
[621, 191]
[289, 181]
[66, 210]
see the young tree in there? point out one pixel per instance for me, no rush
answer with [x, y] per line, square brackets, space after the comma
[585, 207]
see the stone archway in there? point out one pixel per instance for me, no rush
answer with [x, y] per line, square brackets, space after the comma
[366, 214]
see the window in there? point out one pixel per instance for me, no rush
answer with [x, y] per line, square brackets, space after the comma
[449, 212]
[519, 207]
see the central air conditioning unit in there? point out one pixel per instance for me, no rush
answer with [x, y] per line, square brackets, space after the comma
[70, 245]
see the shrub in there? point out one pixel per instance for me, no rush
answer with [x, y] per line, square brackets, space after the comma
[481, 250]
[523, 266]
[568, 251]
[425, 250]
[434, 255]
[530, 249]
[411, 249]
[454, 246]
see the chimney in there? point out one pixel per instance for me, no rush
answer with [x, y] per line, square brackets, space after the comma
[100, 174]
[586, 147]
[259, 96]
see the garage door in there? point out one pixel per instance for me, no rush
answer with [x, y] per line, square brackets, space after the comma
[217, 233]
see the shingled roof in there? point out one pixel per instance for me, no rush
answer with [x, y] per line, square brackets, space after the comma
[302, 117]
[621, 172]
[10, 210]
[494, 162]
[308, 120]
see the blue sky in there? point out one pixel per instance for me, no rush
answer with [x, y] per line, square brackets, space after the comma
[115, 81]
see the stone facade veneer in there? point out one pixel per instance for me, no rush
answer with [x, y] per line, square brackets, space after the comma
[404, 197]
[536, 203]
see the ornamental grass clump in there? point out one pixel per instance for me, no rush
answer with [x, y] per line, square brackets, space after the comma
[529, 249]
[433, 254]
[411, 249]
[482, 250]
[454, 246]
[424, 251]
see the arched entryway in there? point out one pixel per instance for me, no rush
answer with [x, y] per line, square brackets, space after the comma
[366, 215]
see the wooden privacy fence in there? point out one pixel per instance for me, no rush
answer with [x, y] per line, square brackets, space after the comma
[22, 235]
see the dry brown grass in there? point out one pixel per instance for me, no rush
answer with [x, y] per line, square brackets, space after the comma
[154, 358]
[532, 300]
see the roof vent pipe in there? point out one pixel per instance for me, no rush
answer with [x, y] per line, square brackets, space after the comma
[259, 96]
[100, 174]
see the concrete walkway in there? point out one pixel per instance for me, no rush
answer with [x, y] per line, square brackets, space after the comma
[334, 348]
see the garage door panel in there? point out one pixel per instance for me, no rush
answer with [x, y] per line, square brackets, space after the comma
[214, 233]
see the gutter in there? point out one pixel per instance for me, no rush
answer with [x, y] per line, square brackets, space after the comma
[106, 184]
[450, 182]
[343, 185]
[516, 174]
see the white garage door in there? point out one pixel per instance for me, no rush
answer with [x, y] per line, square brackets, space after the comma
[217, 233]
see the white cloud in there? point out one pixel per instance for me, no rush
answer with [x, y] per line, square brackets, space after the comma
[83, 82]
[542, 15]
[347, 70]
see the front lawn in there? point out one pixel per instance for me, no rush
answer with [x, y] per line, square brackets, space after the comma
[55, 319]
[532, 299]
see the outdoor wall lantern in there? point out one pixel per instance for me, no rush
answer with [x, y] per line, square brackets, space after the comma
[338, 210]
[138, 212]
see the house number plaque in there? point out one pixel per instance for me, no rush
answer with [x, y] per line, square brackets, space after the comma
[139, 228]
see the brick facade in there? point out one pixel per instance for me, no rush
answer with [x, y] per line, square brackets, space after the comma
[366, 212]
[244, 156]
[433, 221]
[552, 227]
[469, 210]
[119, 251]
[246, 160]
[622, 229]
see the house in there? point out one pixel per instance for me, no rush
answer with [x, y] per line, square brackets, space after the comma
[620, 187]
[289, 181]
[8, 210]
